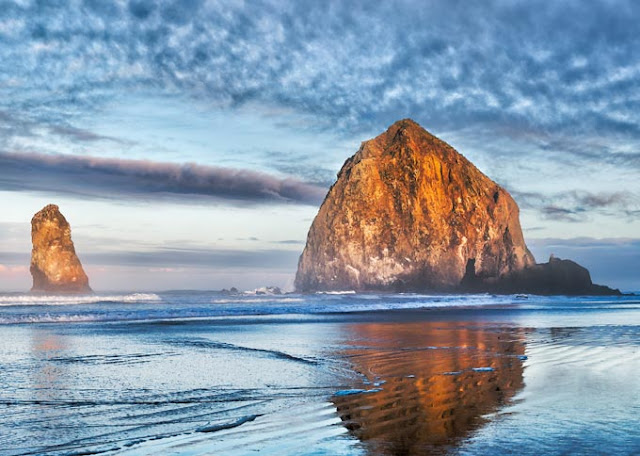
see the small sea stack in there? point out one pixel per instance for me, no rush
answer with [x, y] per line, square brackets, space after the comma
[55, 267]
[409, 213]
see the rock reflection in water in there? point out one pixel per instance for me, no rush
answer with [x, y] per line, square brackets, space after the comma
[436, 382]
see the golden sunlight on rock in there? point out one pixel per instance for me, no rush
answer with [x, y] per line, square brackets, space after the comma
[55, 266]
[409, 212]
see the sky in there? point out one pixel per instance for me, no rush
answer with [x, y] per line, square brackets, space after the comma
[189, 143]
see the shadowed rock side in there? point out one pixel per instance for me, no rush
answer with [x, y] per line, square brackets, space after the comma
[430, 385]
[409, 213]
[552, 278]
[54, 265]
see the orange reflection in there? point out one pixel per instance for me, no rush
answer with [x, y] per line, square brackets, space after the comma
[46, 345]
[431, 395]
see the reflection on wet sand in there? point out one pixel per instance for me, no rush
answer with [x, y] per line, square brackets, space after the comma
[428, 384]
[46, 377]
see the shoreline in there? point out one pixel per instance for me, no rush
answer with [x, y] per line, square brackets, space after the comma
[456, 379]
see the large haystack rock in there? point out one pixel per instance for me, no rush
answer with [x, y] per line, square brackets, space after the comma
[409, 213]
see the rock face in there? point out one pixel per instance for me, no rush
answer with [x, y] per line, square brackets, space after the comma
[409, 213]
[55, 266]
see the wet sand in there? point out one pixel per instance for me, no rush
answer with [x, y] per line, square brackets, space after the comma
[556, 377]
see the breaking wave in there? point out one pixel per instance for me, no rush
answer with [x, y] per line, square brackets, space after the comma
[266, 300]
[62, 300]
[150, 307]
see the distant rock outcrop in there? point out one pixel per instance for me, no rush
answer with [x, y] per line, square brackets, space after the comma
[55, 266]
[553, 278]
[409, 213]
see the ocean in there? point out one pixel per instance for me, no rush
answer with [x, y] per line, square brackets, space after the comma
[199, 373]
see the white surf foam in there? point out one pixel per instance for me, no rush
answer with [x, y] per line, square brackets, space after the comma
[347, 292]
[266, 300]
[62, 300]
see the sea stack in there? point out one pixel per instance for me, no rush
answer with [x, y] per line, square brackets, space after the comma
[410, 213]
[55, 267]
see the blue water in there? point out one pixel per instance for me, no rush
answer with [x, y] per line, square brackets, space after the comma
[24, 308]
[212, 373]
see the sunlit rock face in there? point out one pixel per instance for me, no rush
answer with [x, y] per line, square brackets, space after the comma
[408, 212]
[55, 266]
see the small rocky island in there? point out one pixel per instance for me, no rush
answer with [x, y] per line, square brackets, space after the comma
[55, 267]
[410, 213]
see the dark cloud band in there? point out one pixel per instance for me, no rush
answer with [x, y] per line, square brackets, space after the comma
[116, 178]
[576, 206]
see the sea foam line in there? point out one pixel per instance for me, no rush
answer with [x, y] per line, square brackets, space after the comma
[58, 300]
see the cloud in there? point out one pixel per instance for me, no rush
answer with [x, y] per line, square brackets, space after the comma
[117, 178]
[561, 214]
[290, 242]
[605, 199]
[82, 135]
[175, 258]
[14, 125]
[535, 86]
[556, 65]
[13, 270]
[269, 259]
[579, 205]
[305, 166]
[10, 229]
